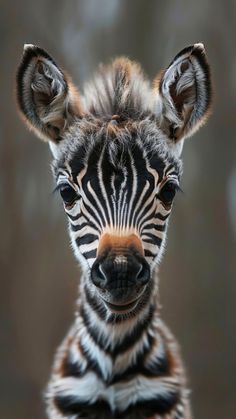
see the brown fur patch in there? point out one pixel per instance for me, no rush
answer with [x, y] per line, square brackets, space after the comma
[119, 243]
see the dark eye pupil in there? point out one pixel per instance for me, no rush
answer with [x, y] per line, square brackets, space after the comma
[68, 194]
[168, 192]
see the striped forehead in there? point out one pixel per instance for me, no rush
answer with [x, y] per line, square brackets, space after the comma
[114, 162]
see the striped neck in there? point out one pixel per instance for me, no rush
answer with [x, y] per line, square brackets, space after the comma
[115, 335]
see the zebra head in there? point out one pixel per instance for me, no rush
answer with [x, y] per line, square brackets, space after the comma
[117, 160]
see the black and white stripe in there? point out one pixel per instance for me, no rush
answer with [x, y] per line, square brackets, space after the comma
[119, 200]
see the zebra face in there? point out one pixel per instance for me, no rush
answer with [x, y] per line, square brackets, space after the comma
[116, 159]
[118, 195]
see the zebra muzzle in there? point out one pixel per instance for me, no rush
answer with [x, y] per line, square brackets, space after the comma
[120, 268]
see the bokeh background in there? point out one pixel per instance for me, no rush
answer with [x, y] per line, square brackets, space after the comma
[38, 272]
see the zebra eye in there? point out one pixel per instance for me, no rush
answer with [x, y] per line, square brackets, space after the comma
[167, 193]
[68, 194]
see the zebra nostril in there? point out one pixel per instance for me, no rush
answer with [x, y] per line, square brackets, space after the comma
[143, 274]
[97, 275]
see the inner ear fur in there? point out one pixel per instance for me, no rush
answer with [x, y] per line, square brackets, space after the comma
[183, 93]
[46, 96]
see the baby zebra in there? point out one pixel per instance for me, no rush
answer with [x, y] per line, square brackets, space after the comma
[116, 160]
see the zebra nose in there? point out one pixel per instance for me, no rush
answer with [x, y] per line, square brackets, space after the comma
[108, 273]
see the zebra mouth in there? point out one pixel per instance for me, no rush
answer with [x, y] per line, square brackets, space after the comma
[122, 307]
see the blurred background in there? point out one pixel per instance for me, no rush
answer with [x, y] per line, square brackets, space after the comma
[38, 272]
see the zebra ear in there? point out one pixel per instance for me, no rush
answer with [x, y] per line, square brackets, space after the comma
[46, 97]
[184, 93]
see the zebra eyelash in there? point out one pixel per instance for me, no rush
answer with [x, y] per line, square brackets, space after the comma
[68, 194]
[58, 187]
[168, 191]
[175, 183]
[179, 189]
[61, 185]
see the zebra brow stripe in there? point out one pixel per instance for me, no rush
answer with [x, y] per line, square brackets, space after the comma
[102, 187]
[134, 190]
[139, 203]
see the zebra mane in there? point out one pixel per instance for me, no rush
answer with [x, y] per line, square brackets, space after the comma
[118, 89]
